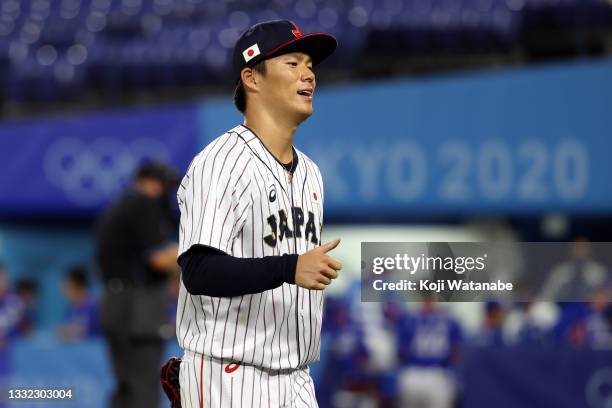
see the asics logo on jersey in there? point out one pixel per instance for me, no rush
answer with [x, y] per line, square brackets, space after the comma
[272, 194]
[280, 227]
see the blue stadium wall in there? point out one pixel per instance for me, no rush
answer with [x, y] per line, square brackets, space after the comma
[514, 141]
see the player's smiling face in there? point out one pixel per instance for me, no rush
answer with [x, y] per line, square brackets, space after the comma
[289, 84]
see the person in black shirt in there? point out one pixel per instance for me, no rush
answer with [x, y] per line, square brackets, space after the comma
[136, 255]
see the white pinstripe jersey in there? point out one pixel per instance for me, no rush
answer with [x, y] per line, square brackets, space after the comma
[236, 197]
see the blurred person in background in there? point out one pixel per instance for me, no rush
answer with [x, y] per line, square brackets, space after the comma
[347, 378]
[370, 361]
[335, 319]
[572, 284]
[27, 290]
[577, 278]
[491, 331]
[429, 346]
[593, 329]
[137, 255]
[81, 320]
[530, 323]
[599, 327]
[11, 314]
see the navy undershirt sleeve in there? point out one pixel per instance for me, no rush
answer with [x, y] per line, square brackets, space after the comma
[208, 271]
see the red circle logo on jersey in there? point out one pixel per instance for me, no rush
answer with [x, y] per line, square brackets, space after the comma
[231, 367]
[314, 195]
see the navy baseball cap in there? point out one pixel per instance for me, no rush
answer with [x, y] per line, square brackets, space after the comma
[273, 38]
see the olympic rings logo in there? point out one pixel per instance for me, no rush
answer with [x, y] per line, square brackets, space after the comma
[90, 172]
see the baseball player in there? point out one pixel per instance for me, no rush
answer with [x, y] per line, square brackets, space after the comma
[253, 263]
[429, 347]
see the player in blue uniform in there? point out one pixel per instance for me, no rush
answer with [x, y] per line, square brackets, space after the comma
[429, 344]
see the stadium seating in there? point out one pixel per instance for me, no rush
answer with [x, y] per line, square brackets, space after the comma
[55, 49]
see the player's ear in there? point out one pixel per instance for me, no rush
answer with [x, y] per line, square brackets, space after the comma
[248, 78]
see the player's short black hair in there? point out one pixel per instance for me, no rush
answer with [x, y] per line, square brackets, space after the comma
[240, 94]
[78, 276]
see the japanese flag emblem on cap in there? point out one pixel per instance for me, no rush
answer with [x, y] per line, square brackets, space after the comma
[251, 52]
[270, 39]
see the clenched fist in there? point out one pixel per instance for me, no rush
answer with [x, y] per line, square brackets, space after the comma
[315, 269]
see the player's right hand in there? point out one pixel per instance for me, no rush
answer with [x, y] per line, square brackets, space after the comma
[315, 269]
